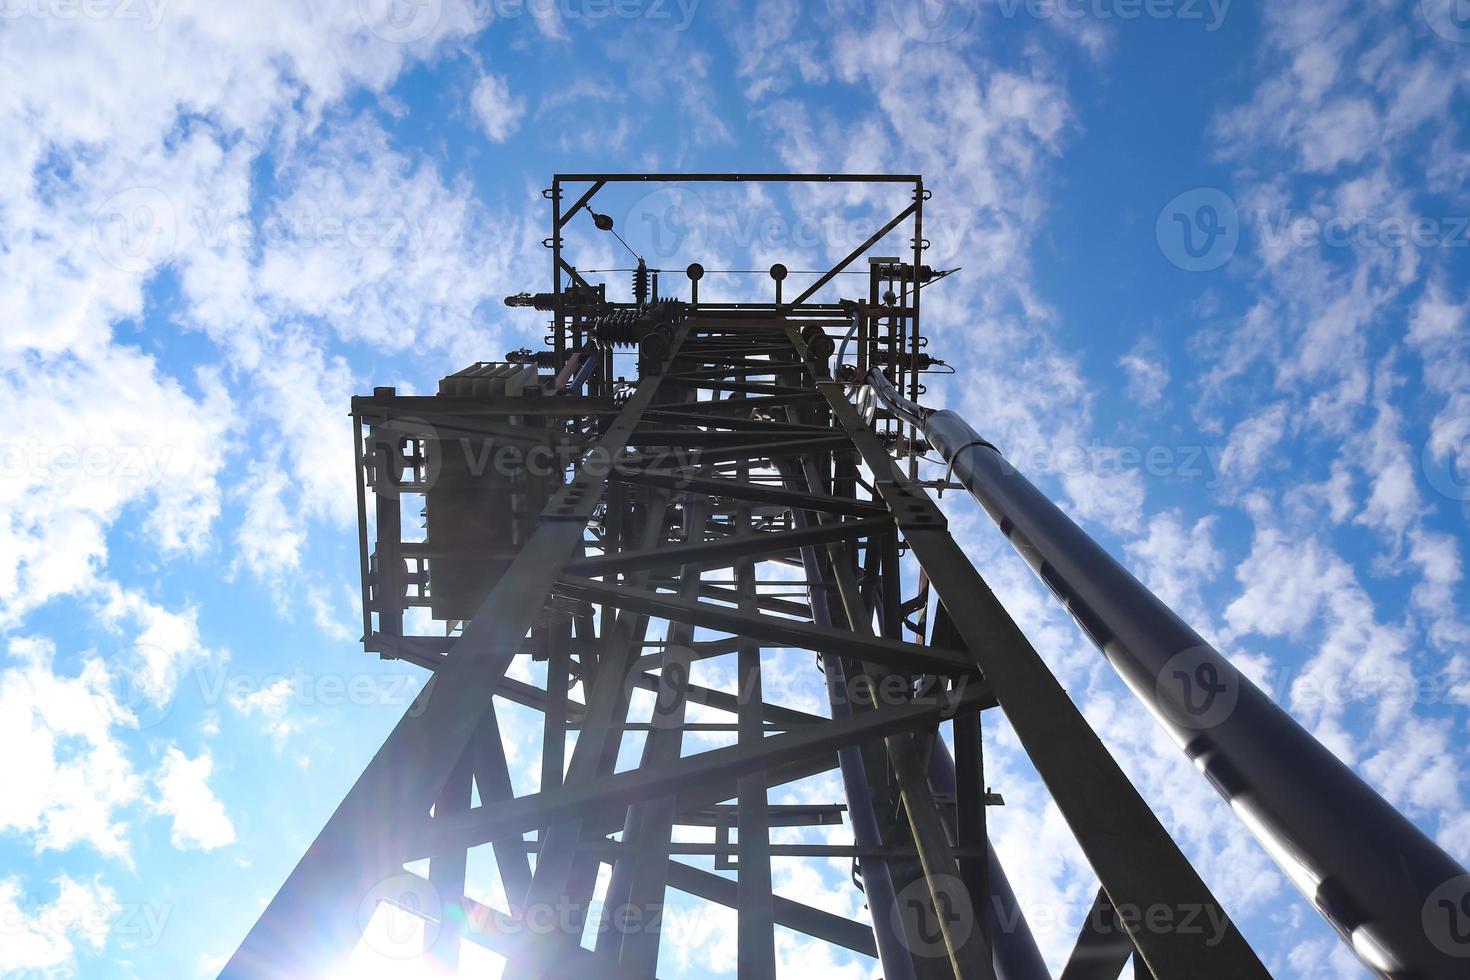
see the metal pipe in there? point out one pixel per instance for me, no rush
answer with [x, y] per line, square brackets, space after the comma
[1017, 956]
[1389, 890]
[857, 318]
[910, 412]
[877, 882]
[568, 369]
[588, 368]
[1013, 946]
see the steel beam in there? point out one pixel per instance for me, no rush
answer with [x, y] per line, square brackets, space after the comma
[1137, 861]
[757, 493]
[686, 774]
[364, 841]
[773, 631]
[815, 922]
[1103, 948]
[727, 553]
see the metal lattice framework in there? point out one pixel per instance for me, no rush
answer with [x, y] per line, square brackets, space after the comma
[668, 524]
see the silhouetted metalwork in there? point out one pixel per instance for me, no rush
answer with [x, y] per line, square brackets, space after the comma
[753, 486]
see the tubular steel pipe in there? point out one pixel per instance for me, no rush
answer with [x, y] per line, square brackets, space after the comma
[1013, 947]
[588, 368]
[1392, 893]
[910, 412]
[857, 318]
[1016, 954]
[877, 882]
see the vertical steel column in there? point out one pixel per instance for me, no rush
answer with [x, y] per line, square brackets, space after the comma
[757, 951]
[386, 443]
[554, 731]
[968, 953]
[362, 526]
[559, 331]
[968, 956]
[641, 878]
[562, 877]
[971, 827]
[919, 246]
[447, 869]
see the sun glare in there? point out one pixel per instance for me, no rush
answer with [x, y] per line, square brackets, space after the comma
[392, 946]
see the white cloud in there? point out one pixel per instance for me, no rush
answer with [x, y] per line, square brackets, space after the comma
[1252, 441]
[137, 145]
[199, 819]
[164, 646]
[1322, 959]
[1342, 132]
[1438, 336]
[44, 938]
[1441, 572]
[270, 539]
[781, 47]
[1419, 769]
[1294, 584]
[67, 775]
[1107, 494]
[374, 242]
[272, 703]
[498, 111]
[101, 431]
[1148, 374]
[113, 93]
[324, 613]
[1175, 559]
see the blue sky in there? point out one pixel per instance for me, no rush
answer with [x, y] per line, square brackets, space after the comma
[1214, 298]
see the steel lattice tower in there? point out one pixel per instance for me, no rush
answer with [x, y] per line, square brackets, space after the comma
[620, 533]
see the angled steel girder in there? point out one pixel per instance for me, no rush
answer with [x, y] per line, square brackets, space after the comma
[687, 774]
[755, 492]
[1139, 864]
[364, 841]
[793, 915]
[898, 654]
[1103, 948]
[728, 552]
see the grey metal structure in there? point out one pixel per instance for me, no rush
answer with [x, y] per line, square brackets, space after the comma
[622, 535]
